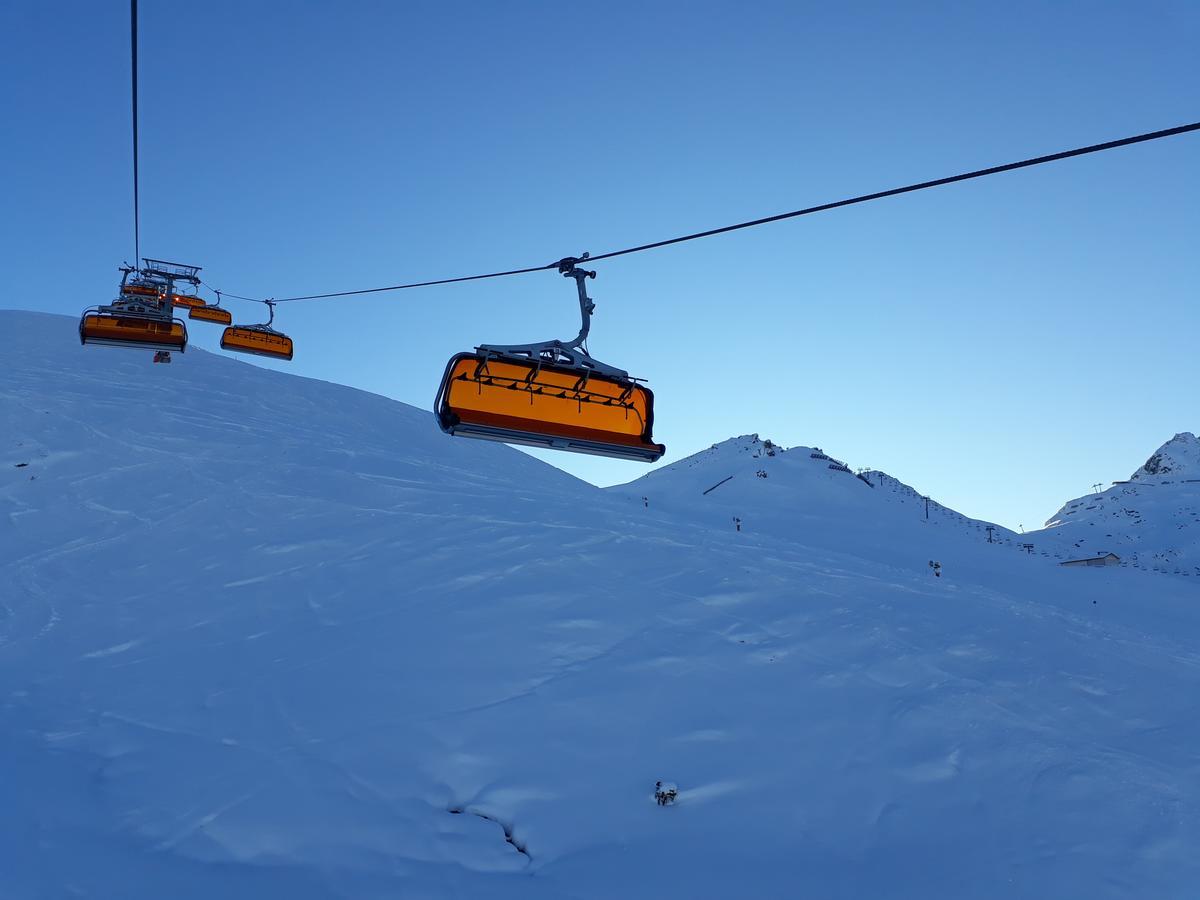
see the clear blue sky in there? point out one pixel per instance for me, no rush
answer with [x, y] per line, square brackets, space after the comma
[1001, 344]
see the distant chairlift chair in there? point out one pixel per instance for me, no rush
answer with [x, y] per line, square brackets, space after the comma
[211, 312]
[261, 340]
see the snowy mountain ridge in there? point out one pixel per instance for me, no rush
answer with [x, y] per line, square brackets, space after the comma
[1178, 458]
[264, 636]
[805, 494]
[1152, 521]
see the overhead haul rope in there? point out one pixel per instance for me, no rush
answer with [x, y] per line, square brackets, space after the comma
[221, 294]
[137, 236]
[863, 198]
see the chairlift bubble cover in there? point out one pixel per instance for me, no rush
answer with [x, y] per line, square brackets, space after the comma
[216, 314]
[258, 340]
[541, 405]
[139, 332]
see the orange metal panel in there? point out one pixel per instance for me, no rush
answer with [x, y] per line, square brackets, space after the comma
[496, 396]
[211, 314]
[185, 300]
[253, 340]
[102, 328]
[141, 290]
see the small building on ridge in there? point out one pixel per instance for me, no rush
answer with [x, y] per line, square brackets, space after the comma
[1104, 559]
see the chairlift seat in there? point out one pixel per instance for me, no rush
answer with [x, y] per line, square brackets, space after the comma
[190, 301]
[139, 332]
[257, 339]
[541, 405]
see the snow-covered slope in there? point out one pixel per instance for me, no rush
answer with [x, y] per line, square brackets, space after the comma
[262, 636]
[803, 494]
[1152, 521]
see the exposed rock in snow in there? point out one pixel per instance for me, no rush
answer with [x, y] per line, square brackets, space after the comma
[1177, 458]
[665, 792]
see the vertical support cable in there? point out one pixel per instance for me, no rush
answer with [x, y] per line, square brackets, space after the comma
[137, 236]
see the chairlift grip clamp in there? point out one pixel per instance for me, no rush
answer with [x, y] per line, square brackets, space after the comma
[567, 267]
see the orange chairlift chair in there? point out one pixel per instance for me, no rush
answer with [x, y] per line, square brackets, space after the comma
[188, 301]
[141, 316]
[551, 395]
[261, 340]
[138, 289]
[211, 312]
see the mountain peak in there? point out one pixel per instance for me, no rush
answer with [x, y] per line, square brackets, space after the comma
[748, 443]
[1178, 458]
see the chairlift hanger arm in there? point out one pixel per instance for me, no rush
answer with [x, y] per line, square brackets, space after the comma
[568, 269]
[568, 354]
